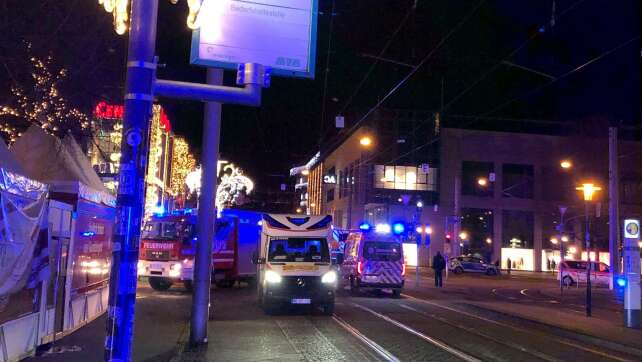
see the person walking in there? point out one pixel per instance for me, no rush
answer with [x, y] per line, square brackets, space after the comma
[438, 264]
[508, 265]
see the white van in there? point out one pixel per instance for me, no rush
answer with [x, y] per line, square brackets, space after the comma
[293, 262]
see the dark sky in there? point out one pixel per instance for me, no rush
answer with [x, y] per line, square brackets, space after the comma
[287, 128]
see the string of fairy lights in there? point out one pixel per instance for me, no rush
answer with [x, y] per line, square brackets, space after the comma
[120, 12]
[183, 163]
[43, 105]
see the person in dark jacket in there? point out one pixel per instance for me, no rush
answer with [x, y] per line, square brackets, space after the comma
[438, 264]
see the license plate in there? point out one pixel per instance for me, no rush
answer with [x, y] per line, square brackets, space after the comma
[371, 278]
[301, 301]
[156, 266]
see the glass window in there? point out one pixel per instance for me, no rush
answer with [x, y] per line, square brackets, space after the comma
[517, 181]
[330, 195]
[478, 224]
[517, 229]
[404, 178]
[475, 178]
[381, 251]
[299, 250]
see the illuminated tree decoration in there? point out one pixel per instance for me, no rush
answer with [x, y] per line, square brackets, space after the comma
[183, 163]
[120, 11]
[232, 188]
[41, 104]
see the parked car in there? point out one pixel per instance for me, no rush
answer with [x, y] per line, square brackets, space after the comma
[573, 271]
[471, 264]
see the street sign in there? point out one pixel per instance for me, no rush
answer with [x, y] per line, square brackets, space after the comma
[491, 177]
[425, 168]
[280, 34]
[339, 121]
[632, 229]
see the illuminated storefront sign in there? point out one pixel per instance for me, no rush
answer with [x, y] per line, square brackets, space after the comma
[329, 179]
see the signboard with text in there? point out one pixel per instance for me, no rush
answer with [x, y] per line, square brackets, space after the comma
[280, 34]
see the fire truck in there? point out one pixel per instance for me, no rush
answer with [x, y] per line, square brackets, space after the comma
[168, 245]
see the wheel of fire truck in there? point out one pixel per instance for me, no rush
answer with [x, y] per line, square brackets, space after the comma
[189, 286]
[160, 283]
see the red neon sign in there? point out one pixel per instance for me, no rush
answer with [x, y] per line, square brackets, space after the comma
[110, 111]
[115, 111]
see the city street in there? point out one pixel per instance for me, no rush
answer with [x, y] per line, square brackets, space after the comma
[472, 318]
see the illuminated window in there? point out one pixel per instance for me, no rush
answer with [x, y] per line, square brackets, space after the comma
[404, 178]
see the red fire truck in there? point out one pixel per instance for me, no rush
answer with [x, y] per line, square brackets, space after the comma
[168, 243]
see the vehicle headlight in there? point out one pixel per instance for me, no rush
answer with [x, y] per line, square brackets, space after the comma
[140, 265]
[329, 277]
[272, 277]
[176, 267]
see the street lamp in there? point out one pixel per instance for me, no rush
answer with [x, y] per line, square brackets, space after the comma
[566, 164]
[365, 141]
[482, 181]
[305, 172]
[588, 190]
[463, 235]
[489, 241]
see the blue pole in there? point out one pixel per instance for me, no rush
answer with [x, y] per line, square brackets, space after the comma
[131, 189]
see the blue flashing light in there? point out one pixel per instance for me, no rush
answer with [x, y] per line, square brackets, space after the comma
[542, 29]
[398, 228]
[88, 233]
[621, 282]
[365, 226]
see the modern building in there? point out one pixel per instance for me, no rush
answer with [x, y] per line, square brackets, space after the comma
[496, 194]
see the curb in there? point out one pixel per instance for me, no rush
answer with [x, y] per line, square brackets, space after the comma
[569, 333]
[181, 344]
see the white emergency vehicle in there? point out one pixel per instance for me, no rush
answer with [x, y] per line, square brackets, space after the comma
[293, 263]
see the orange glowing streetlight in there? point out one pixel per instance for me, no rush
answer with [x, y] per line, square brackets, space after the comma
[365, 141]
[588, 189]
[482, 181]
[566, 164]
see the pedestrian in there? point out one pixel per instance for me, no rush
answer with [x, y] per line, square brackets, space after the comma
[508, 265]
[438, 264]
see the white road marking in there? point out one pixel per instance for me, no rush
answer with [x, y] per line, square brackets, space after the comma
[559, 340]
[367, 341]
[523, 292]
[433, 341]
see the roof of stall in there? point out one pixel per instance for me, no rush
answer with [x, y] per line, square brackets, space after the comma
[60, 163]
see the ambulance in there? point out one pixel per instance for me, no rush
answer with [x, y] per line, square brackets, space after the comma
[293, 263]
[373, 260]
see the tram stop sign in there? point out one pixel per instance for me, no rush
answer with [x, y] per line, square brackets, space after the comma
[280, 34]
[632, 229]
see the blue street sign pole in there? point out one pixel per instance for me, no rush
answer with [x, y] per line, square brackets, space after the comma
[131, 189]
[631, 255]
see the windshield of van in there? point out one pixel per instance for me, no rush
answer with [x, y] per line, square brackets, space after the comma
[299, 249]
[381, 251]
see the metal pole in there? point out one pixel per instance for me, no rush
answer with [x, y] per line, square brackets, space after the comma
[631, 257]
[206, 216]
[131, 189]
[588, 263]
[614, 198]
[455, 246]
[561, 235]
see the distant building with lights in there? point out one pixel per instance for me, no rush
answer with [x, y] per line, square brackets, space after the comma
[169, 158]
[500, 191]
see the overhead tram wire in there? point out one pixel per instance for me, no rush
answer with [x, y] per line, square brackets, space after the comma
[370, 69]
[509, 55]
[327, 70]
[419, 65]
[527, 94]
[484, 75]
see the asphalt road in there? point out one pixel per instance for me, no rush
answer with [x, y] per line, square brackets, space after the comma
[425, 324]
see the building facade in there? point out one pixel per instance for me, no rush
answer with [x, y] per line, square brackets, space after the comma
[494, 194]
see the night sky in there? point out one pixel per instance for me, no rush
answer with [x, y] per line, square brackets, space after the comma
[482, 66]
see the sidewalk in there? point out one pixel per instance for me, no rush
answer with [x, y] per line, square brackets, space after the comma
[597, 330]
